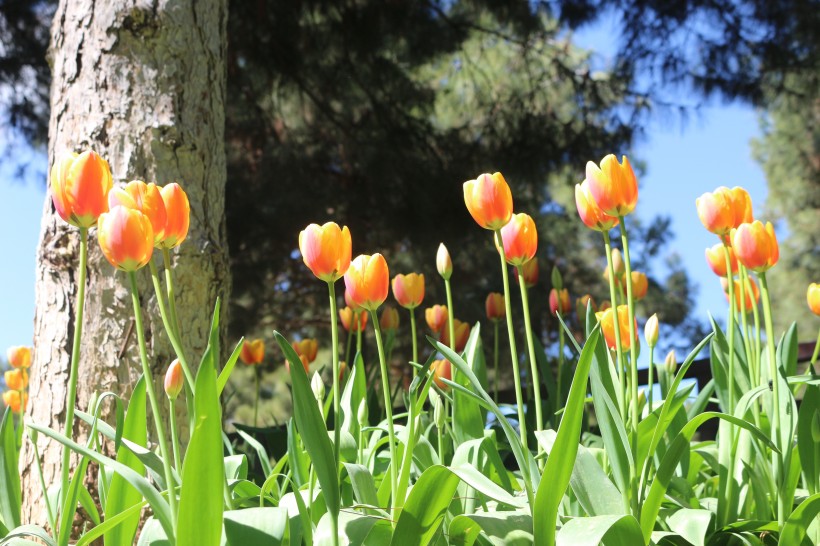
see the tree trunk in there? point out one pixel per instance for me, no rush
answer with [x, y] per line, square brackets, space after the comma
[143, 84]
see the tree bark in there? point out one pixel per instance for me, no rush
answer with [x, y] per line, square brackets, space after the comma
[143, 84]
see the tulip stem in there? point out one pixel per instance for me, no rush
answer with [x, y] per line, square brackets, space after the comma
[357, 321]
[152, 397]
[746, 294]
[175, 435]
[337, 400]
[169, 285]
[75, 359]
[617, 326]
[559, 376]
[256, 395]
[415, 342]
[650, 383]
[816, 352]
[730, 327]
[536, 381]
[388, 408]
[169, 328]
[519, 398]
[496, 324]
[349, 341]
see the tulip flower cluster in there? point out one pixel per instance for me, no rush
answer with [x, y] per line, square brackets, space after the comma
[16, 395]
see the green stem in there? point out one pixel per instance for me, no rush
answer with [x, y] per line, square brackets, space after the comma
[450, 317]
[619, 352]
[388, 408]
[152, 397]
[256, 396]
[169, 328]
[169, 285]
[650, 387]
[337, 395]
[731, 328]
[559, 375]
[39, 468]
[75, 360]
[519, 398]
[175, 436]
[816, 352]
[495, 359]
[415, 341]
[536, 380]
[358, 333]
[744, 320]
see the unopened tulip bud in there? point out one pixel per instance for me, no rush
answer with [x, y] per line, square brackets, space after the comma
[462, 335]
[557, 280]
[436, 317]
[253, 352]
[318, 387]
[306, 348]
[640, 285]
[618, 263]
[178, 215]
[441, 370]
[559, 302]
[494, 305]
[408, 290]
[444, 265]
[670, 363]
[439, 416]
[174, 379]
[15, 400]
[361, 414]
[651, 331]
[581, 307]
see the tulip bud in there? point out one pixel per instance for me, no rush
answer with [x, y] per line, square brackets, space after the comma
[670, 363]
[716, 258]
[436, 317]
[441, 370]
[361, 414]
[389, 319]
[318, 388]
[326, 250]
[253, 352]
[489, 200]
[520, 239]
[618, 263]
[174, 379]
[409, 289]
[607, 320]
[353, 321]
[19, 356]
[559, 302]
[178, 216]
[813, 298]
[461, 333]
[494, 305]
[439, 416]
[307, 348]
[651, 331]
[640, 285]
[530, 272]
[557, 280]
[13, 399]
[581, 307]
[444, 265]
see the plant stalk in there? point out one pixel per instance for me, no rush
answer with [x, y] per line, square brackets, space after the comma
[536, 381]
[388, 408]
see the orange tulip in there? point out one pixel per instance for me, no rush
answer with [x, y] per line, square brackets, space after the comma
[79, 187]
[607, 320]
[591, 214]
[178, 216]
[724, 209]
[613, 186]
[367, 280]
[389, 319]
[17, 379]
[253, 351]
[520, 239]
[530, 273]
[755, 246]
[716, 258]
[461, 333]
[436, 317]
[749, 301]
[326, 250]
[12, 400]
[126, 238]
[442, 369]
[307, 348]
[444, 264]
[581, 306]
[494, 305]
[741, 206]
[409, 290]
[640, 285]
[145, 198]
[489, 200]
[174, 379]
[559, 302]
[813, 298]
[347, 317]
[19, 356]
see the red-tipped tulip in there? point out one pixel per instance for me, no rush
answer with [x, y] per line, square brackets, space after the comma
[559, 302]
[436, 317]
[494, 305]
[347, 317]
[145, 198]
[19, 356]
[368, 280]
[723, 209]
[520, 238]
[174, 379]
[126, 238]
[444, 264]
[79, 187]
[462, 334]
[442, 369]
[326, 250]
[591, 214]
[489, 200]
[755, 246]
[716, 258]
[253, 351]
[813, 298]
[607, 320]
[613, 185]
[178, 216]
[409, 290]
[389, 319]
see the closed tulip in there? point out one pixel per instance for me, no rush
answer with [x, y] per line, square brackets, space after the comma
[145, 198]
[752, 293]
[307, 348]
[19, 356]
[613, 185]
[559, 302]
[494, 305]
[813, 298]
[741, 206]
[126, 238]
[650, 331]
[389, 319]
[174, 379]
[177, 216]
[716, 258]
[755, 246]
[461, 334]
[723, 209]
[79, 187]
[530, 272]
[520, 239]
[368, 280]
[607, 320]
[253, 351]
[591, 214]
[16, 379]
[436, 317]
[326, 250]
[12, 399]
[347, 316]
[489, 200]
[409, 289]
[442, 369]
[640, 285]
[444, 264]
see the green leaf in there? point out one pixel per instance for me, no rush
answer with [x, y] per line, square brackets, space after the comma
[355, 390]
[425, 508]
[225, 374]
[354, 529]
[615, 530]
[10, 492]
[261, 452]
[807, 417]
[255, 527]
[110, 523]
[364, 487]
[794, 530]
[500, 528]
[692, 524]
[153, 534]
[468, 418]
[34, 531]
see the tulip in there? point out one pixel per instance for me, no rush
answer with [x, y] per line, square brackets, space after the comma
[307, 348]
[326, 250]
[813, 298]
[530, 272]
[12, 400]
[607, 320]
[17, 379]
[368, 280]
[389, 319]
[178, 216]
[755, 246]
[520, 239]
[749, 302]
[145, 198]
[461, 335]
[79, 187]
[651, 331]
[724, 209]
[559, 302]
[174, 379]
[436, 317]
[318, 388]
[640, 285]
[19, 356]
[670, 363]
[126, 238]
[606, 304]
[591, 214]
[613, 186]
[716, 258]
[494, 305]
[489, 200]
[346, 315]
[741, 206]
[442, 369]
[409, 290]
[581, 307]
[444, 265]
[253, 352]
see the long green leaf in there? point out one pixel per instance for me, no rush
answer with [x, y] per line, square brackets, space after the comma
[620, 530]
[424, 511]
[225, 374]
[499, 528]
[252, 526]
[807, 445]
[468, 419]
[794, 530]
[10, 493]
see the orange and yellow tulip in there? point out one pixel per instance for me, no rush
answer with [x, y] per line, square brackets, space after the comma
[145, 198]
[613, 185]
[79, 187]
[436, 317]
[520, 239]
[177, 216]
[444, 264]
[389, 319]
[591, 214]
[755, 246]
[19, 356]
[326, 250]
[174, 379]
[17, 379]
[126, 238]
[494, 305]
[367, 280]
[752, 293]
[489, 200]
[12, 400]
[409, 290]
[559, 301]
[813, 298]
[442, 369]
[723, 209]
[716, 258]
[307, 348]
[530, 272]
[640, 285]
[461, 333]
[253, 351]
[347, 315]
[607, 320]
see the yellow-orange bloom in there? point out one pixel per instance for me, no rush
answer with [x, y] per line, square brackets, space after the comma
[177, 216]
[436, 317]
[409, 289]
[724, 209]
[591, 214]
[126, 238]
[559, 301]
[489, 200]
[520, 239]
[19, 356]
[741, 206]
[174, 379]
[494, 305]
[461, 332]
[613, 185]
[367, 280]
[389, 319]
[145, 198]
[716, 258]
[442, 369]
[347, 314]
[813, 298]
[12, 400]
[530, 272]
[755, 246]
[17, 379]
[307, 348]
[752, 293]
[326, 250]
[253, 351]
[79, 187]
[607, 320]
[640, 285]
[606, 304]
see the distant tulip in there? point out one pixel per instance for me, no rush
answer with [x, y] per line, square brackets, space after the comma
[494, 305]
[489, 200]
[307, 347]
[530, 273]
[145, 198]
[19, 356]
[368, 281]
[442, 369]
[444, 264]
[326, 250]
[724, 209]
[346, 315]
[389, 319]
[16, 379]
[409, 290]
[559, 302]
[606, 304]
[462, 334]
[520, 239]
[436, 317]
[174, 379]
[751, 300]
[581, 307]
[178, 216]
[12, 400]
[253, 352]
[716, 258]
[755, 246]
[591, 214]
[607, 320]
[126, 238]
[640, 285]
[613, 186]
[79, 187]
[813, 298]
[650, 331]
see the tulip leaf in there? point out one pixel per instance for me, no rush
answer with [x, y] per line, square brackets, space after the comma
[796, 526]
[601, 529]
[424, 511]
[225, 374]
[468, 417]
[10, 492]
[266, 525]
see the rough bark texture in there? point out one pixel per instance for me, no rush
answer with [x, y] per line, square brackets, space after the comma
[143, 84]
